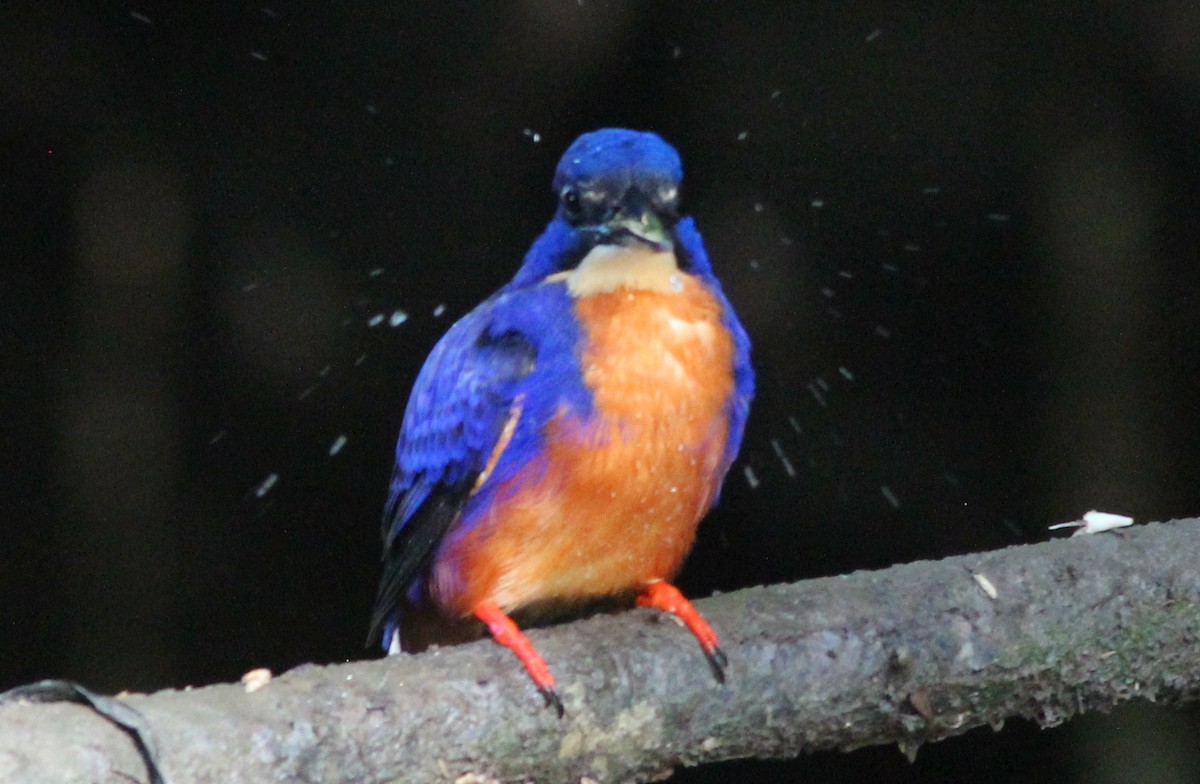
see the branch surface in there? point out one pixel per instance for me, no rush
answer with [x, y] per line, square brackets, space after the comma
[905, 655]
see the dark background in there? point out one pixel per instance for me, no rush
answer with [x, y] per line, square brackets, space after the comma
[963, 242]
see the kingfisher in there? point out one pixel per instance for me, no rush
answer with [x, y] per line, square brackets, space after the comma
[563, 439]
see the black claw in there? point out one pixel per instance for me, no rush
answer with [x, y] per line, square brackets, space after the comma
[718, 661]
[552, 701]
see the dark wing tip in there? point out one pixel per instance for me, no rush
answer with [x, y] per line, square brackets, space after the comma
[413, 547]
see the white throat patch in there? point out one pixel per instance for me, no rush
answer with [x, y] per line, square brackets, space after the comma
[607, 268]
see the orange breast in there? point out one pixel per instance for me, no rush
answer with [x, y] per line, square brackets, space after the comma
[621, 494]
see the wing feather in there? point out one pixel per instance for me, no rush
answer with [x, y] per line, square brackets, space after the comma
[460, 405]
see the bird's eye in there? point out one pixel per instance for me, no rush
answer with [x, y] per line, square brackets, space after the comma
[570, 200]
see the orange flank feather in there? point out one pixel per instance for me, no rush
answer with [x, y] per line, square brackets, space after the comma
[615, 504]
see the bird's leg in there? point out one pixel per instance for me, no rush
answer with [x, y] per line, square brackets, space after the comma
[505, 632]
[664, 596]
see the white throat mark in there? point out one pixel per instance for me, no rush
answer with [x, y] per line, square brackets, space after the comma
[607, 268]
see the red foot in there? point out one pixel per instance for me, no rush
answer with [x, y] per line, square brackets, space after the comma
[505, 632]
[664, 596]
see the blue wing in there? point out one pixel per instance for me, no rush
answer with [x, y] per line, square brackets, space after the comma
[694, 258]
[460, 403]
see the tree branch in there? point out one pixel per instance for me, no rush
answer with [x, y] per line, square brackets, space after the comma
[905, 655]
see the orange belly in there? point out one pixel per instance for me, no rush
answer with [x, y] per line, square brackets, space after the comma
[621, 493]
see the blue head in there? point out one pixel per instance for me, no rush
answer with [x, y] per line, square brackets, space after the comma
[621, 186]
[614, 186]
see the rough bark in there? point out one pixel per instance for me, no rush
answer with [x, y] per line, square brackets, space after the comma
[905, 655]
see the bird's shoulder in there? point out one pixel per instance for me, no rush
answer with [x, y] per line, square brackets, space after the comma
[468, 379]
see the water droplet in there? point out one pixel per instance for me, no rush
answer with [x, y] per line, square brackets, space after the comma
[266, 485]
